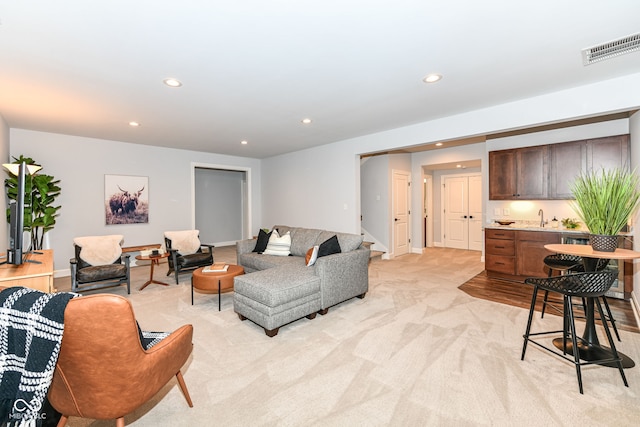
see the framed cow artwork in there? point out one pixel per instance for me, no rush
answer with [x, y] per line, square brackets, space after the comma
[126, 199]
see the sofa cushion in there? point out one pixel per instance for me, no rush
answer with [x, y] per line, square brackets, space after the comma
[101, 272]
[329, 247]
[277, 286]
[303, 239]
[255, 261]
[278, 245]
[262, 241]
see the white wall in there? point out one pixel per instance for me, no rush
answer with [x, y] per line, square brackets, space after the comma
[313, 187]
[81, 163]
[375, 199]
[634, 129]
[4, 158]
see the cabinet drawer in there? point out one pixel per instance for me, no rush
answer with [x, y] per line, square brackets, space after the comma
[501, 264]
[491, 233]
[539, 236]
[500, 247]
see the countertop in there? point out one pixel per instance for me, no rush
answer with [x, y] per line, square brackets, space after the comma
[546, 228]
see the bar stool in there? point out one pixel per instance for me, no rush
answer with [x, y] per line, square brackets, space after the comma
[564, 264]
[582, 285]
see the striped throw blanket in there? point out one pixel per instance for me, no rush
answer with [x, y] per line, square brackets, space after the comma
[31, 325]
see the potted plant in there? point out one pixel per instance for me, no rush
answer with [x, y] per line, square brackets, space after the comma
[605, 200]
[40, 191]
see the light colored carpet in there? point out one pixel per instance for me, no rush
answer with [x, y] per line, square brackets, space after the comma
[416, 351]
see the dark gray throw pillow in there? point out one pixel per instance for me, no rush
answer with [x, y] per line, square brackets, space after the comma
[329, 246]
[263, 240]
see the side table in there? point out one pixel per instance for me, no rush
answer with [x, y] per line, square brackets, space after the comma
[211, 280]
[155, 260]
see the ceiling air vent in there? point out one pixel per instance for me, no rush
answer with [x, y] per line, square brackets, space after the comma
[609, 50]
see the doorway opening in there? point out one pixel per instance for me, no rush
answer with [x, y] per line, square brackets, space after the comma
[434, 221]
[221, 203]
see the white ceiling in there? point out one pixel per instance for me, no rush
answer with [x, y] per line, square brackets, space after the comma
[252, 69]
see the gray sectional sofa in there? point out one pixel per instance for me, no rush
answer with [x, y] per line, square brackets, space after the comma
[277, 290]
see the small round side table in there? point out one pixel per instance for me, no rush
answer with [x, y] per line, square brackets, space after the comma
[155, 260]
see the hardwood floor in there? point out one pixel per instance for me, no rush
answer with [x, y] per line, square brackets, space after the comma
[519, 295]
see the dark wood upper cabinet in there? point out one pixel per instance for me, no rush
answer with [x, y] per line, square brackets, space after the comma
[567, 161]
[608, 153]
[520, 173]
[533, 172]
[548, 171]
[502, 175]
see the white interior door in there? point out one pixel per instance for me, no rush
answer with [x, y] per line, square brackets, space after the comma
[463, 212]
[400, 200]
[456, 212]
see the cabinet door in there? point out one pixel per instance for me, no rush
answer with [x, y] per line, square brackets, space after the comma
[530, 252]
[532, 164]
[502, 175]
[567, 161]
[608, 153]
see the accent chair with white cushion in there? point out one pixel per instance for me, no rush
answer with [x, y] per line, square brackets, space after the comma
[99, 263]
[186, 252]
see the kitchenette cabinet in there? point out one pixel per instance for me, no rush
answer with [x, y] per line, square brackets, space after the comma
[519, 174]
[515, 254]
[547, 171]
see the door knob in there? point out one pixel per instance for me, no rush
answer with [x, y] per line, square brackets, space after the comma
[395, 219]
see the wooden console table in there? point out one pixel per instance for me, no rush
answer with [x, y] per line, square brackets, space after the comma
[29, 274]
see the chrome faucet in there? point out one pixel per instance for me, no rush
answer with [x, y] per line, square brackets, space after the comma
[541, 215]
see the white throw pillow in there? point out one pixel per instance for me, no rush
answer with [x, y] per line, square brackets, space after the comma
[279, 245]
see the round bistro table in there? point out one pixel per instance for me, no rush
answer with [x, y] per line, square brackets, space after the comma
[211, 281]
[591, 349]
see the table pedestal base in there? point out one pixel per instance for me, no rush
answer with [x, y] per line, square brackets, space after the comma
[151, 280]
[595, 352]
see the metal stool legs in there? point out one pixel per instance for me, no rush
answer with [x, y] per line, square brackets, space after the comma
[609, 314]
[569, 332]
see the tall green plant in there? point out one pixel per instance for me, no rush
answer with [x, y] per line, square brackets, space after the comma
[40, 191]
[606, 199]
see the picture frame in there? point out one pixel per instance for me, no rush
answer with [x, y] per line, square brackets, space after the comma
[126, 199]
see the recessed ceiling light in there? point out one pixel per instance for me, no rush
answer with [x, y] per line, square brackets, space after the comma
[306, 121]
[134, 124]
[244, 142]
[172, 82]
[438, 144]
[458, 166]
[431, 78]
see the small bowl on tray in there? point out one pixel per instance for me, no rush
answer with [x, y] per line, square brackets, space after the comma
[504, 222]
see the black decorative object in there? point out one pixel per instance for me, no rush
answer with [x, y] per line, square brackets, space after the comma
[603, 243]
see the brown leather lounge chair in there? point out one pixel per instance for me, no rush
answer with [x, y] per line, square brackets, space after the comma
[103, 371]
